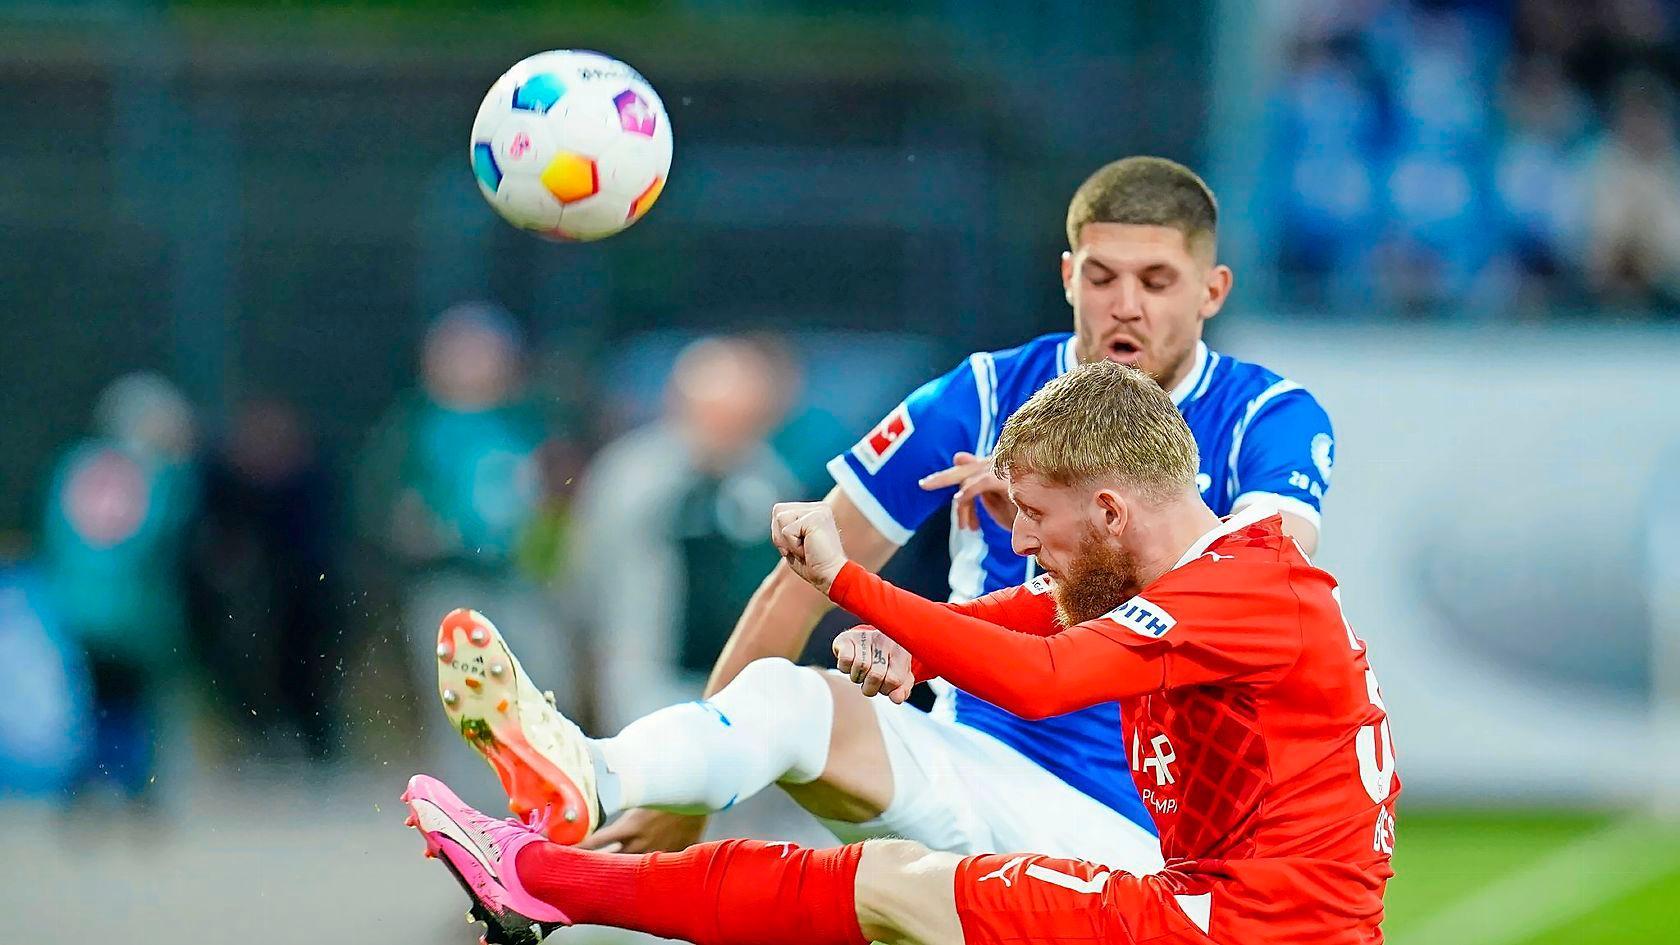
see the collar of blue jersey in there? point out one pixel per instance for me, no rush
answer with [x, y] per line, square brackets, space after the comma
[1191, 381]
[1242, 518]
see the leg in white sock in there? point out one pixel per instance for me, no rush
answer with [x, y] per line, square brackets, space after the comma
[771, 724]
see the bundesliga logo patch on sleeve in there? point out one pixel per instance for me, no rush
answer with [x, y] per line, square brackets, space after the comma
[874, 450]
[1143, 617]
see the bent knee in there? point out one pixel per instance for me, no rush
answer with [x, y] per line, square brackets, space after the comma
[786, 686]
[894, 853]
[772, 668]
[907, 891]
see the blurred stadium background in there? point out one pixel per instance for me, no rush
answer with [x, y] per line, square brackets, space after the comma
[244, 273]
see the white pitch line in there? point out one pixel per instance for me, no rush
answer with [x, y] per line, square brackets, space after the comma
[1566, 883]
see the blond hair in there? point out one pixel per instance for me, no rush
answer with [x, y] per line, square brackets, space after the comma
[1098, 421]
[1146, 191]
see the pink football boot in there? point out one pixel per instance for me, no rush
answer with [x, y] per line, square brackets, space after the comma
[480, 851]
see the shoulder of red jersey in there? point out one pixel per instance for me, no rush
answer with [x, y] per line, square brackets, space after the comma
[1253, 534]
[1237, 570]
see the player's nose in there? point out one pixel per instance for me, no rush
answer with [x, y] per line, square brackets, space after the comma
[1128, 302]
[1021, 539]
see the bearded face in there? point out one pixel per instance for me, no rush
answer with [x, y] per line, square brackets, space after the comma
[1100, 578]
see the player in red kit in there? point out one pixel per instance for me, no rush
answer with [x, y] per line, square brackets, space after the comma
[1256, 734]
[1258, 737]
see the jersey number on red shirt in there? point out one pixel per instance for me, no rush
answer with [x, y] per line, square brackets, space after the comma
[1373, 745]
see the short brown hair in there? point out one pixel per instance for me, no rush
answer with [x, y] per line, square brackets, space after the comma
[1099, 420]
[1146, 191]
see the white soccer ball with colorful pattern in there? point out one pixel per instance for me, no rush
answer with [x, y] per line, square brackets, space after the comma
[571, 145]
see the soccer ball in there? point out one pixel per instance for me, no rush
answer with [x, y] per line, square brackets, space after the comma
[571, 145]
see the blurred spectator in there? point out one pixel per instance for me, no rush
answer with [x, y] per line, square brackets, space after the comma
[1398, 174]
[809, 433]
[117, 516]
[264, 576]
[1550, 28]
[1633, 249]
[671, 536]
[451, 487]
[46, 721]
[1613, 38]
[1437, 239]
[1327, 121]
[1537, 175]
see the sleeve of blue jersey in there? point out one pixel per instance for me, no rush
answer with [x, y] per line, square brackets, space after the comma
[1285, 457]
[939, 419]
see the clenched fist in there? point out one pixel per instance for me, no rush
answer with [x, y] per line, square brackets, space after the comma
[805, 534]
[875, 663]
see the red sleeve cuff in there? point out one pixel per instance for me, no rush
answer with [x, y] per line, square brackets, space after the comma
[847, 583]
[853, 585]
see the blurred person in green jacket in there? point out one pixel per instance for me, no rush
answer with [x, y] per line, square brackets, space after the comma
[452, 487]
[117, 514]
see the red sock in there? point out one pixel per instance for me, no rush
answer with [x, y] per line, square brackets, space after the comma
[733, 892]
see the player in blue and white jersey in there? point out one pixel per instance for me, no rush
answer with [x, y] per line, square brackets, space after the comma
[1142, 278]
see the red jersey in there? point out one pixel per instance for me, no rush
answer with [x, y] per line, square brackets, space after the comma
[1257, 735]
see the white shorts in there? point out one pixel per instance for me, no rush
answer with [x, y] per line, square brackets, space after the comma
[959, 789]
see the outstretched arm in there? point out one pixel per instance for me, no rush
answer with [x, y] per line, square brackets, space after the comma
[1030, 675]
[880, 665]
[1022, 609]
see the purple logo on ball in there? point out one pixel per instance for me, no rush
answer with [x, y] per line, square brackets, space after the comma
[634, 113]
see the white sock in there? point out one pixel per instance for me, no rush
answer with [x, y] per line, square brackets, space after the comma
[772, 723]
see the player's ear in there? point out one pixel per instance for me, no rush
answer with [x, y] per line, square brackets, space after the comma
[1113, 512]
[1219, 281]
[1067, 276]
